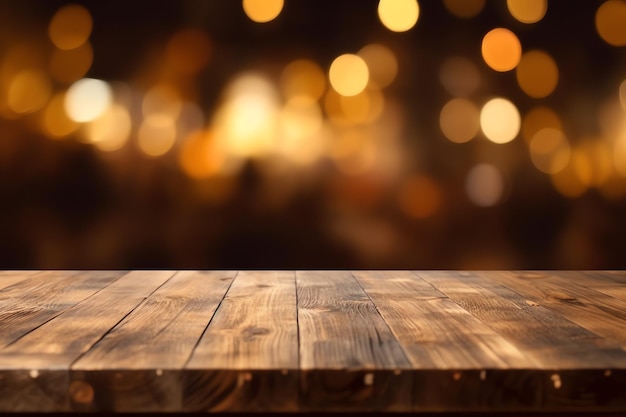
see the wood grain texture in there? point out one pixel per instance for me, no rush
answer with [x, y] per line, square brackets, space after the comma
[255, 330]
[551, 340]
[343, 340]
[28, 304]
[599, 313]
[433, 330]
[157, 336]
[8, 278]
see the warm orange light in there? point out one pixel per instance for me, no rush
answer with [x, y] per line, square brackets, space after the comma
[610, 19]
[188, 51]
[70, 27]
[198, 157]
[156, 135]
[303, 77]
[29, 91]
[549, 151]
[537, 74]
[501, 49]
[67, 66]
[527, 11]
[111, 130]
[398, 15]
[55, 120]
[540, 118]
[262, 11]
[348, 74]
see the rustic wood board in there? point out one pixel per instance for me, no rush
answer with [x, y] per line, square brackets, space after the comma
[305, 341]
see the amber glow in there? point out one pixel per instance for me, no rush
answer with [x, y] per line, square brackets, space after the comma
[156, 135]
[459, 120]
[55, 122]
[398, 15]
[70, 27]
[29, 91]
[67, 66]
[348, 74]
[527, 11]
[539, 118]
[419, 197]
[381, 62]
[537, 74]
[484, 185]
[459, 76]
[303, 77]
[501, 49]
[464, 8]
[610, 19]
[198, 157]
[262, 11]
[111, 130]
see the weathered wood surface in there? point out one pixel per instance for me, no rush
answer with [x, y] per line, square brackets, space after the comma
[212, 341]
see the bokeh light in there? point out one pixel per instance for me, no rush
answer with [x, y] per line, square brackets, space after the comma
[87, 99]
[303, 77]
[459, 120]
[301, 124]
[198, 156]
[500, 120]
[70, 27]
[527, 11]
[262, 11]
[420, 196]
[156, 135]
[622, 95]
[610, 19]
[29, 91]
[501, 49]
[549, 150]
[348, 74]
[459, 76]
[484, 185]
[188, 51]
[539, 118]
[111, 130]
[398, 15]
[464, 9]
[537, 74]
[67, 66]
[381, 62]
[55, 121]
[162, 99]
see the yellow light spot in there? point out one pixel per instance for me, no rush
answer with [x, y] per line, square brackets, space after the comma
[55, 121]
[537, 74]
[67, 66]
[500, 120]
[87, 99]
[161, 99]
[484, 185]
[549, 151]
[111, 130]
[188, 51]
[303, 77]
[459, 76]
[381, 62]
[29, 91]
[246, 124]
[301, 125]
[156, 135]
[398, 15]
[599, 155]
[464, 9]
[420, 197]
[365, 107]
[70, 27]
[610, 19]
[262, 11]
[348, 74]
[198, 157]
[527, 11]
[540, 118]
[501, 49]
[459, 120]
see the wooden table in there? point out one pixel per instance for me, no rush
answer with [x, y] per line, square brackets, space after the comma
[312, 341]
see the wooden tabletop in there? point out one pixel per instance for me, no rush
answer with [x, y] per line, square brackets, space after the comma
[312, 341]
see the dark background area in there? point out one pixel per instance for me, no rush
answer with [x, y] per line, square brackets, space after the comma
[65, 204]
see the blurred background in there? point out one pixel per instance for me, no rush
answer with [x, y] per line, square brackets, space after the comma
[473, 134]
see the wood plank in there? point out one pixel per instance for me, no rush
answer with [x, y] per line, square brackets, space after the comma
[450, 349]
[600, 314]
[8, 278]
[247, 360]
[552, 340]
[349, 359]
[28, 304]
[47, 352]
[136, 366]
